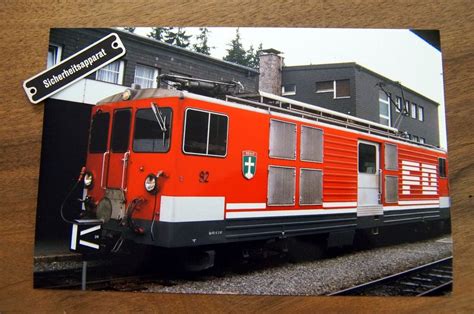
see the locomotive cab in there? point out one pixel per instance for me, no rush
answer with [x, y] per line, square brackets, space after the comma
[128, 163]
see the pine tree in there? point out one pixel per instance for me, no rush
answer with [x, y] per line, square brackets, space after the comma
[178, 38]
[236, 53]
[158, 33]
[129, 29]
[252, 56]
[201, 46]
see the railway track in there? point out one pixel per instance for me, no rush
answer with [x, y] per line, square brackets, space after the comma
[432, 279]
[98, 278]
[153, 275]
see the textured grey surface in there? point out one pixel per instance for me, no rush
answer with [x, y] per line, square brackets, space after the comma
[318, 277]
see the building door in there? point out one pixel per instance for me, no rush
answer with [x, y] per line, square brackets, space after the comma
[119, 150]
[368, 179]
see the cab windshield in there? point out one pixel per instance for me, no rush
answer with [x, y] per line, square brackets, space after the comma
[149, 135]
[99, 132]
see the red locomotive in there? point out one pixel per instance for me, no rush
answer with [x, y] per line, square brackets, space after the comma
[175, 169]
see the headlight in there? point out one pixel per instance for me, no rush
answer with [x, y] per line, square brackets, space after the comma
[88, 179]
[150, 184]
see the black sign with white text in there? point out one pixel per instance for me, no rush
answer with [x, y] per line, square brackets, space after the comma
[72, 69]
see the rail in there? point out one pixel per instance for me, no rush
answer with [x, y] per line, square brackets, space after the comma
[430, 279]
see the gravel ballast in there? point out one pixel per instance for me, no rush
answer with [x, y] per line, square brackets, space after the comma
[317, 277]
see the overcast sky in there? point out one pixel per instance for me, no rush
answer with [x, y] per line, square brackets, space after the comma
[397, 54]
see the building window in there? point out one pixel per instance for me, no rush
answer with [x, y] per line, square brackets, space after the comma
[413, 110]
[54, 55]
[145, 76]
[111, 73]
[339, 88]
[288, 89]
[421, 113]
[406, 109]
[398, 108]
[205, 133]
[422, 140]
[384, 108]
[325, 87]
[342, 89]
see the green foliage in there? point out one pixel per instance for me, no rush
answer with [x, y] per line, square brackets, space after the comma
[237, 54]
[158, 33]
[253, 56]
[178, 38]
[201, 46]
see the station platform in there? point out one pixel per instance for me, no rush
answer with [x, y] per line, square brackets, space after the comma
[53, 250]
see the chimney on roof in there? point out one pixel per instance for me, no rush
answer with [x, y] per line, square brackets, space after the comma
[271, 64]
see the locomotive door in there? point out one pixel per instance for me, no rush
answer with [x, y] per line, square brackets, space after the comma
[119, 150]
[368, 178]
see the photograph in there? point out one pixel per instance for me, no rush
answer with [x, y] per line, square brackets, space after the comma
[245, 161]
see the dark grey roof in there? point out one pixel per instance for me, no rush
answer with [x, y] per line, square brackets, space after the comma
[357, 66]
[167, 46]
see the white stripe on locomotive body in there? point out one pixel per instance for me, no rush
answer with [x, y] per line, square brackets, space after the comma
[444, 202]
[418, 202]
[288, 213]
[410, 163]
[339, 204]
[233, 206]
[197, 208]
[191, 208]
[237, 206]
[411, 177]
[319, 123]
[389, 208]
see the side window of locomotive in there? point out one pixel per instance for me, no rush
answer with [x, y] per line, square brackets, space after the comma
[282, 140]
[442, 167]
[367, 158]
[205, 133]
[120, 131]
[99, 133]
[149, 135]
[311, 144]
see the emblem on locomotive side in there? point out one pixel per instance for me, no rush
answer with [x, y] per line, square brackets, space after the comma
[249, 163]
